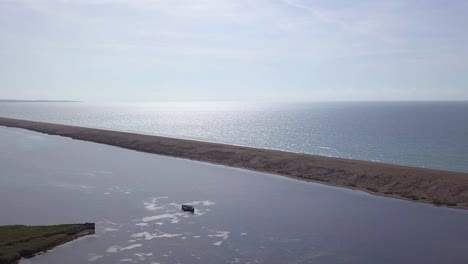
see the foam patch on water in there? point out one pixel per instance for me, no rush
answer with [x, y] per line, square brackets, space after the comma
[94, 258]
[194, 203]
[221, 234]
[131, 247]
[89, 174]
[170, 213]
[110, 230]
[104, 172]
[142, 256]
[152, 204]
[112, 249]
[118, 189]
[204, 203]
[115, 249]
[236, 260]
[70, 186]
[149, 236]
[171, 217]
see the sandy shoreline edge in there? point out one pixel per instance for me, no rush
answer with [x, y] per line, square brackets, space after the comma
[419, 184]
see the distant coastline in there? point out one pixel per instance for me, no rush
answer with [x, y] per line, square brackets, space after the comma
[418, 184]
[36, 101]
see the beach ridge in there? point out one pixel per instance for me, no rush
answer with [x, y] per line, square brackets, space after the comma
[418, 184]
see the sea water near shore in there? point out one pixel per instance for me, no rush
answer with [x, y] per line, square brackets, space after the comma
[422, 134]
[241, 216]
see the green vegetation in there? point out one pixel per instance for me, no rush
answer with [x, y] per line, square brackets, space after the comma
[17, 241]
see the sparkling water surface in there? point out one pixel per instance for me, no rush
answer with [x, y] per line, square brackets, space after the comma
[423, 134]
[241, 216]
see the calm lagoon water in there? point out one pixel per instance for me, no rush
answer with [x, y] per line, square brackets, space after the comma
[423, 134]
[241, 216]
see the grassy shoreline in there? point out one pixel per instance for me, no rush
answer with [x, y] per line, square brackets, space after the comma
[20, 241]
[417, 184]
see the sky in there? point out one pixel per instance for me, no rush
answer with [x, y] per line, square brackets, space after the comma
[239, 50]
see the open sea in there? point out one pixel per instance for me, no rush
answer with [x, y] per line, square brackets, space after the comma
[422, 134]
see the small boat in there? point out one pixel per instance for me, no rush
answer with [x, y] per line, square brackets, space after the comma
[188, 208]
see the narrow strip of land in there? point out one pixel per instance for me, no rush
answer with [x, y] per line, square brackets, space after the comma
[425, 185]
[19, 241]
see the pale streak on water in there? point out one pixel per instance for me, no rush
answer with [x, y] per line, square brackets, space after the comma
[424, 134]
[241, 216]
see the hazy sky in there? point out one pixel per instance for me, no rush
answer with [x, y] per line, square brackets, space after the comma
[156, 50]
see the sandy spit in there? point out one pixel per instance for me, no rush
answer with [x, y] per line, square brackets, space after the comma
[418, 184]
